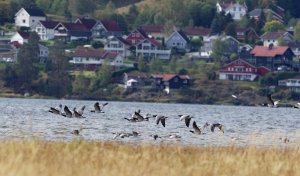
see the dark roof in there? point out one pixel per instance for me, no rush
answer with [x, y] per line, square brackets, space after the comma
[75, 27]
[168, 77]
[255, 13]
[88, 23]
[142, 32]
[152, 41]
[294, 44]
[123, 40]
[24, 35]
[183, 36]
[272, 35]
[110, 55]
[197, 31]
[35, 12]
[150, 28]
[111, 25]
[49, 24]
[225, 5]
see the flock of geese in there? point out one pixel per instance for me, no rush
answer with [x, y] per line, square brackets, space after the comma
[159, 119]
[136, 117]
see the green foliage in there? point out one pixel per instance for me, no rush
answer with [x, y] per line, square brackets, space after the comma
[156, 66]
[272, 79]
[219, 22]
[80, 84]
[230, 29]
[297, 32]
[104, 75]
[219, 49]
[142, 65]
[273, 26]
[97, 44]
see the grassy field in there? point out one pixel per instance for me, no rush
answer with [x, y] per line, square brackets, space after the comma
[102, 158]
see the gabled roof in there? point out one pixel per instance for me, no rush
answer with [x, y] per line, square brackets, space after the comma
[35, 12]
[168, 77]
[24, 35]
[257, 13]
[74, 27]
[110, 55]
[265, 51]
[240, 62]
[136, 74]
[197, 31]
[152, 28]
[152, 41]
[142, 32]
[111, 25]
[49, 24]
[88, 52]
[272, 35]
[88, 23]
[183, 36]
[123, 40]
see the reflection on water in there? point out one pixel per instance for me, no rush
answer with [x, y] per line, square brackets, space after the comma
[27, 118]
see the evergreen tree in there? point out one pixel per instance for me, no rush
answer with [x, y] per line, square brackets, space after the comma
[231, 29]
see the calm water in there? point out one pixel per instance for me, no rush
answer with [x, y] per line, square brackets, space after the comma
[27, 118]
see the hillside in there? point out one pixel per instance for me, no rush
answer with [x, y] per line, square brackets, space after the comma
[140, 5]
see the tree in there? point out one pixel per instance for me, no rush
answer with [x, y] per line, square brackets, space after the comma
[219, 48]
[273, 26]
[231, 29]
[297, 32]
[156, 66]
[132, 14]
[142, 64]
[104, 75]
[59, 82]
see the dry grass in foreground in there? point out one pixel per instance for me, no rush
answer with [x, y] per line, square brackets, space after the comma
[37, 158]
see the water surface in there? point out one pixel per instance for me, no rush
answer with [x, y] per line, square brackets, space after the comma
[29, 118]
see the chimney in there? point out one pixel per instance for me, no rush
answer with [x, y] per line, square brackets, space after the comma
[271, 46]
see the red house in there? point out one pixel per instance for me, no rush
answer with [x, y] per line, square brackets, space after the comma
[137, 36]
[241, 70]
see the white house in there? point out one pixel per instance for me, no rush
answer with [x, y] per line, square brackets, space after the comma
[273, 38]
[206, 49]
[293, 83]
[151, 49]
[178, 40]
[236, 10]
[119, 45]
[29, 17]
[45, 29]
[20, 37]
[91, 59]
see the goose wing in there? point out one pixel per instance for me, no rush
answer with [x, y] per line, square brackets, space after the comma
[163, 122]
[187, 121]
[67, 111]
[82, 110]
[270, 100]
[196, 128]
[97, 107]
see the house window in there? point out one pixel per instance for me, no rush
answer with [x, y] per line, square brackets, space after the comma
[24, 21]
[33, 21]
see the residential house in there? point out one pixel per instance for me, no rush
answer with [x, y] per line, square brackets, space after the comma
[274, 38]
[170, 81]
[151, 49]
[137, 36]
[295, 47]
[292, 83]
[134, 79]
[236, 9]
[29, 17]
[247, 35]
[206, 49]
[20, 37]
[45, 29]
[154, 31]
[272, 57]
[119, 45]
[256, 13]
[197, 32]
[101, 28]
[71, 31]
[178, 41]
[91, 59]
[242, 70]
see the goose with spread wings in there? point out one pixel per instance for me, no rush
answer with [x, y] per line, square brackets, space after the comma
[271, 102]
[55, 110]
[99, 108]
[186, 118]
[161, 119]
[217, 125]
[197, 130]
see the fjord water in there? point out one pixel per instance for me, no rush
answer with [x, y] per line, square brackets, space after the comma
[29, 118]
